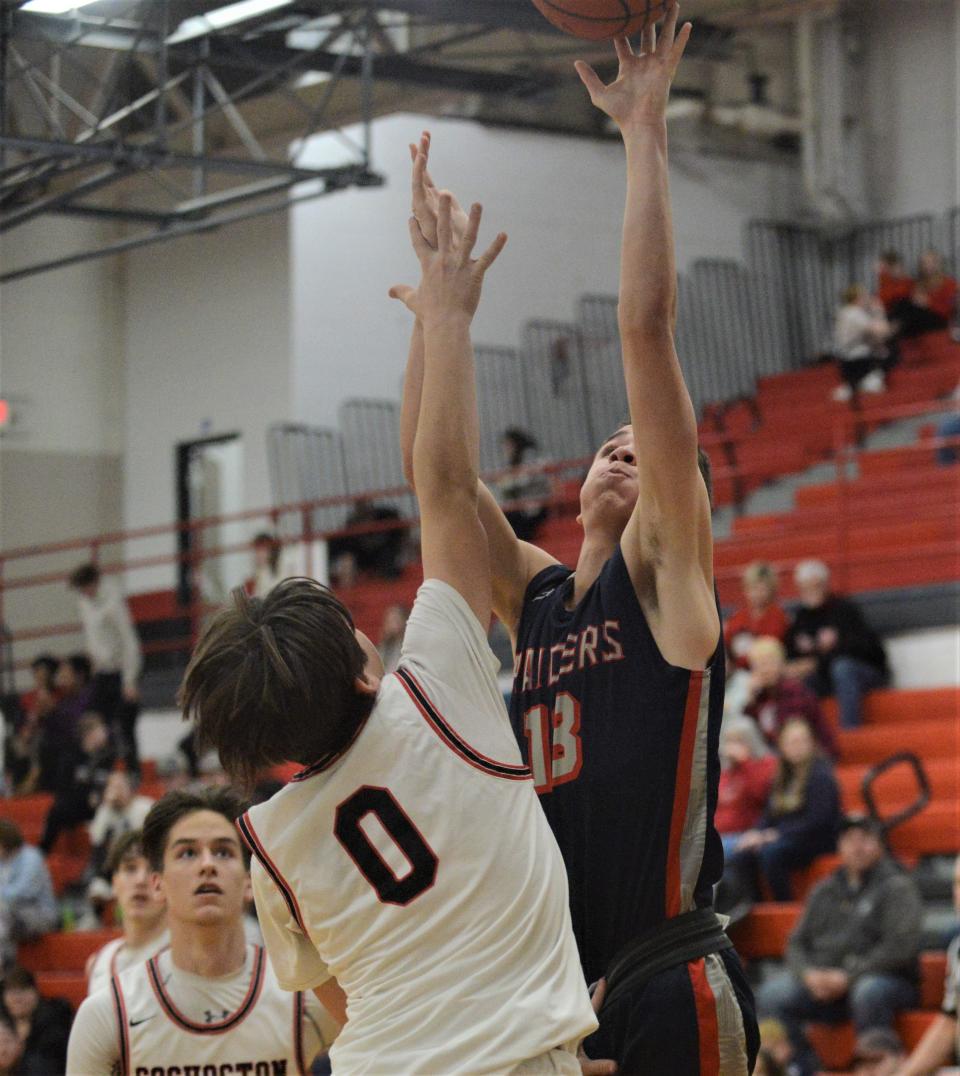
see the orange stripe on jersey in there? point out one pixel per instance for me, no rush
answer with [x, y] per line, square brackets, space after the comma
[708, 1031]
[681, 791]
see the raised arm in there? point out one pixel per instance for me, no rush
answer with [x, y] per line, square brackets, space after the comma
[667, 545]
[512, 563]
[445, 458]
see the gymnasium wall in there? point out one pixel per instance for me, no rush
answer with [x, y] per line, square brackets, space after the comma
[911, 64]
[559, 199]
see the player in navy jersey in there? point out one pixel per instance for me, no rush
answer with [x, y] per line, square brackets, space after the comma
[618, 692]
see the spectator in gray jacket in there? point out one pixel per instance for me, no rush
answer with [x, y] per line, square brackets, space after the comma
[28, 907]
[853, 955]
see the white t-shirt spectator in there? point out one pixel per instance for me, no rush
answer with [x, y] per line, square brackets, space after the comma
[852, 335]
[108, 633]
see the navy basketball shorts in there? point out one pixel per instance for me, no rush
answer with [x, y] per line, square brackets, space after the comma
[696, 1019]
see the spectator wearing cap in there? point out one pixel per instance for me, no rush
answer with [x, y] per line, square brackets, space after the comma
[112, 643]
[800, 821]
[941, 1041]
[879, 1052]
[830, 645]
[773, 698]
[28, 907]
[761, 617]
[42, 1024]
[853, 955]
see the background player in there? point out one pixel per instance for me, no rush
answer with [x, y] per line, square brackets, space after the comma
[618, 693]
[143, 914]
[410, 860]
[211, 997]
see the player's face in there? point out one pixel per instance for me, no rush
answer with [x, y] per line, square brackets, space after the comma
[610, 490]
[139, 900]
[204, 879]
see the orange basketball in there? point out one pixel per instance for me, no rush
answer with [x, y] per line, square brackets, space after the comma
[598, 19]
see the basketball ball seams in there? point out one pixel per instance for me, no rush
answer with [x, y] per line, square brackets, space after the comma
[634, 15]
[560, 10]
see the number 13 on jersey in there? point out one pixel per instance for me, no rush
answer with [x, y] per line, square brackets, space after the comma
[556, 753]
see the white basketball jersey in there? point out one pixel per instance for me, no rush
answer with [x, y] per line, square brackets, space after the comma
[419, 870]
[263, 1036]
[117, 956]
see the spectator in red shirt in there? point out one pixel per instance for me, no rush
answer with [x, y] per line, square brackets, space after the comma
[932, 305]
[775, 698]
[745, 780]
[763, 615]
[894, 283]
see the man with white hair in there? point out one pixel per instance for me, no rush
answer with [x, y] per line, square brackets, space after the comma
[831, 646]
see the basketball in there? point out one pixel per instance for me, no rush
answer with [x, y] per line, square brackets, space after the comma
[600, 19]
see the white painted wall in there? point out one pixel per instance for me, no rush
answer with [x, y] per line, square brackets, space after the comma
[207, 339]
[559, 199]
[911, 88]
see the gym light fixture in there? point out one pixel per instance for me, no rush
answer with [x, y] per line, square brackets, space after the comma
[54, 7]
[198, 25]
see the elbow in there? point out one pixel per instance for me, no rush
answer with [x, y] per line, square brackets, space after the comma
[447, 485]
[652, 316]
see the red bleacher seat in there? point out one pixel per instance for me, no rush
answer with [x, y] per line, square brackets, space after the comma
[873, 743]
[71, 985]
[764, 932]
[65, 951]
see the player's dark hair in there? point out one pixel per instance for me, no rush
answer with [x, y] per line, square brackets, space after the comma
[274, 680]
[84, 576]
[129, 846]
[167, 812]
[10, 836]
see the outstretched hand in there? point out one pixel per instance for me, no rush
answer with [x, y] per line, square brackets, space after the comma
[452, 278]
[639, 94]
[426, 197]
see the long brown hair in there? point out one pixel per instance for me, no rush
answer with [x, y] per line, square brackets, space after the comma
[273, 680]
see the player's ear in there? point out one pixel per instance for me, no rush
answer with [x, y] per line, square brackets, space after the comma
[367, 684]
[156, 884]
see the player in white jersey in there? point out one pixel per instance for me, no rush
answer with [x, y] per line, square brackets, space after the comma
[209, 1002]
[408, 873]
[143, 912]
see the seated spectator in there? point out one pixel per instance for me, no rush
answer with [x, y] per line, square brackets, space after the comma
[42, 1024]
[74, 684]
[378, 551]
[776, 1044]
[266, 565]
[830, 645]
[932, 304]
[800, 822]
[391, 636]
[745, 780]
[533, 488]
[853, 955]
[762, 615]
[120, 811]
[42, 696]
[11, 1050]
[773, 698]
[878, 1052]
[861, 338]
[84, 769]
[941, 1040]
[143, 914]
[28, 907]
[894, 283]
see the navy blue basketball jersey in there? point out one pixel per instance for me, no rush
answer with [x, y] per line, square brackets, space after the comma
[624, 752]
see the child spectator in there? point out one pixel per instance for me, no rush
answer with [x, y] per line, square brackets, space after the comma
[894, 283]
[519, 450]
[84, 769]
[28, 907]
[830, 645]
[774, 698]
[745, 780]
[762, 615]
[800, 822]
[42, 1024]
[119, 812]
[853, 955]
[860, 343]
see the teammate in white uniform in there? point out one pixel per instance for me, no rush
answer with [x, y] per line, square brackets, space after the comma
[408, 870]
[143, 910]
[211, 998]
